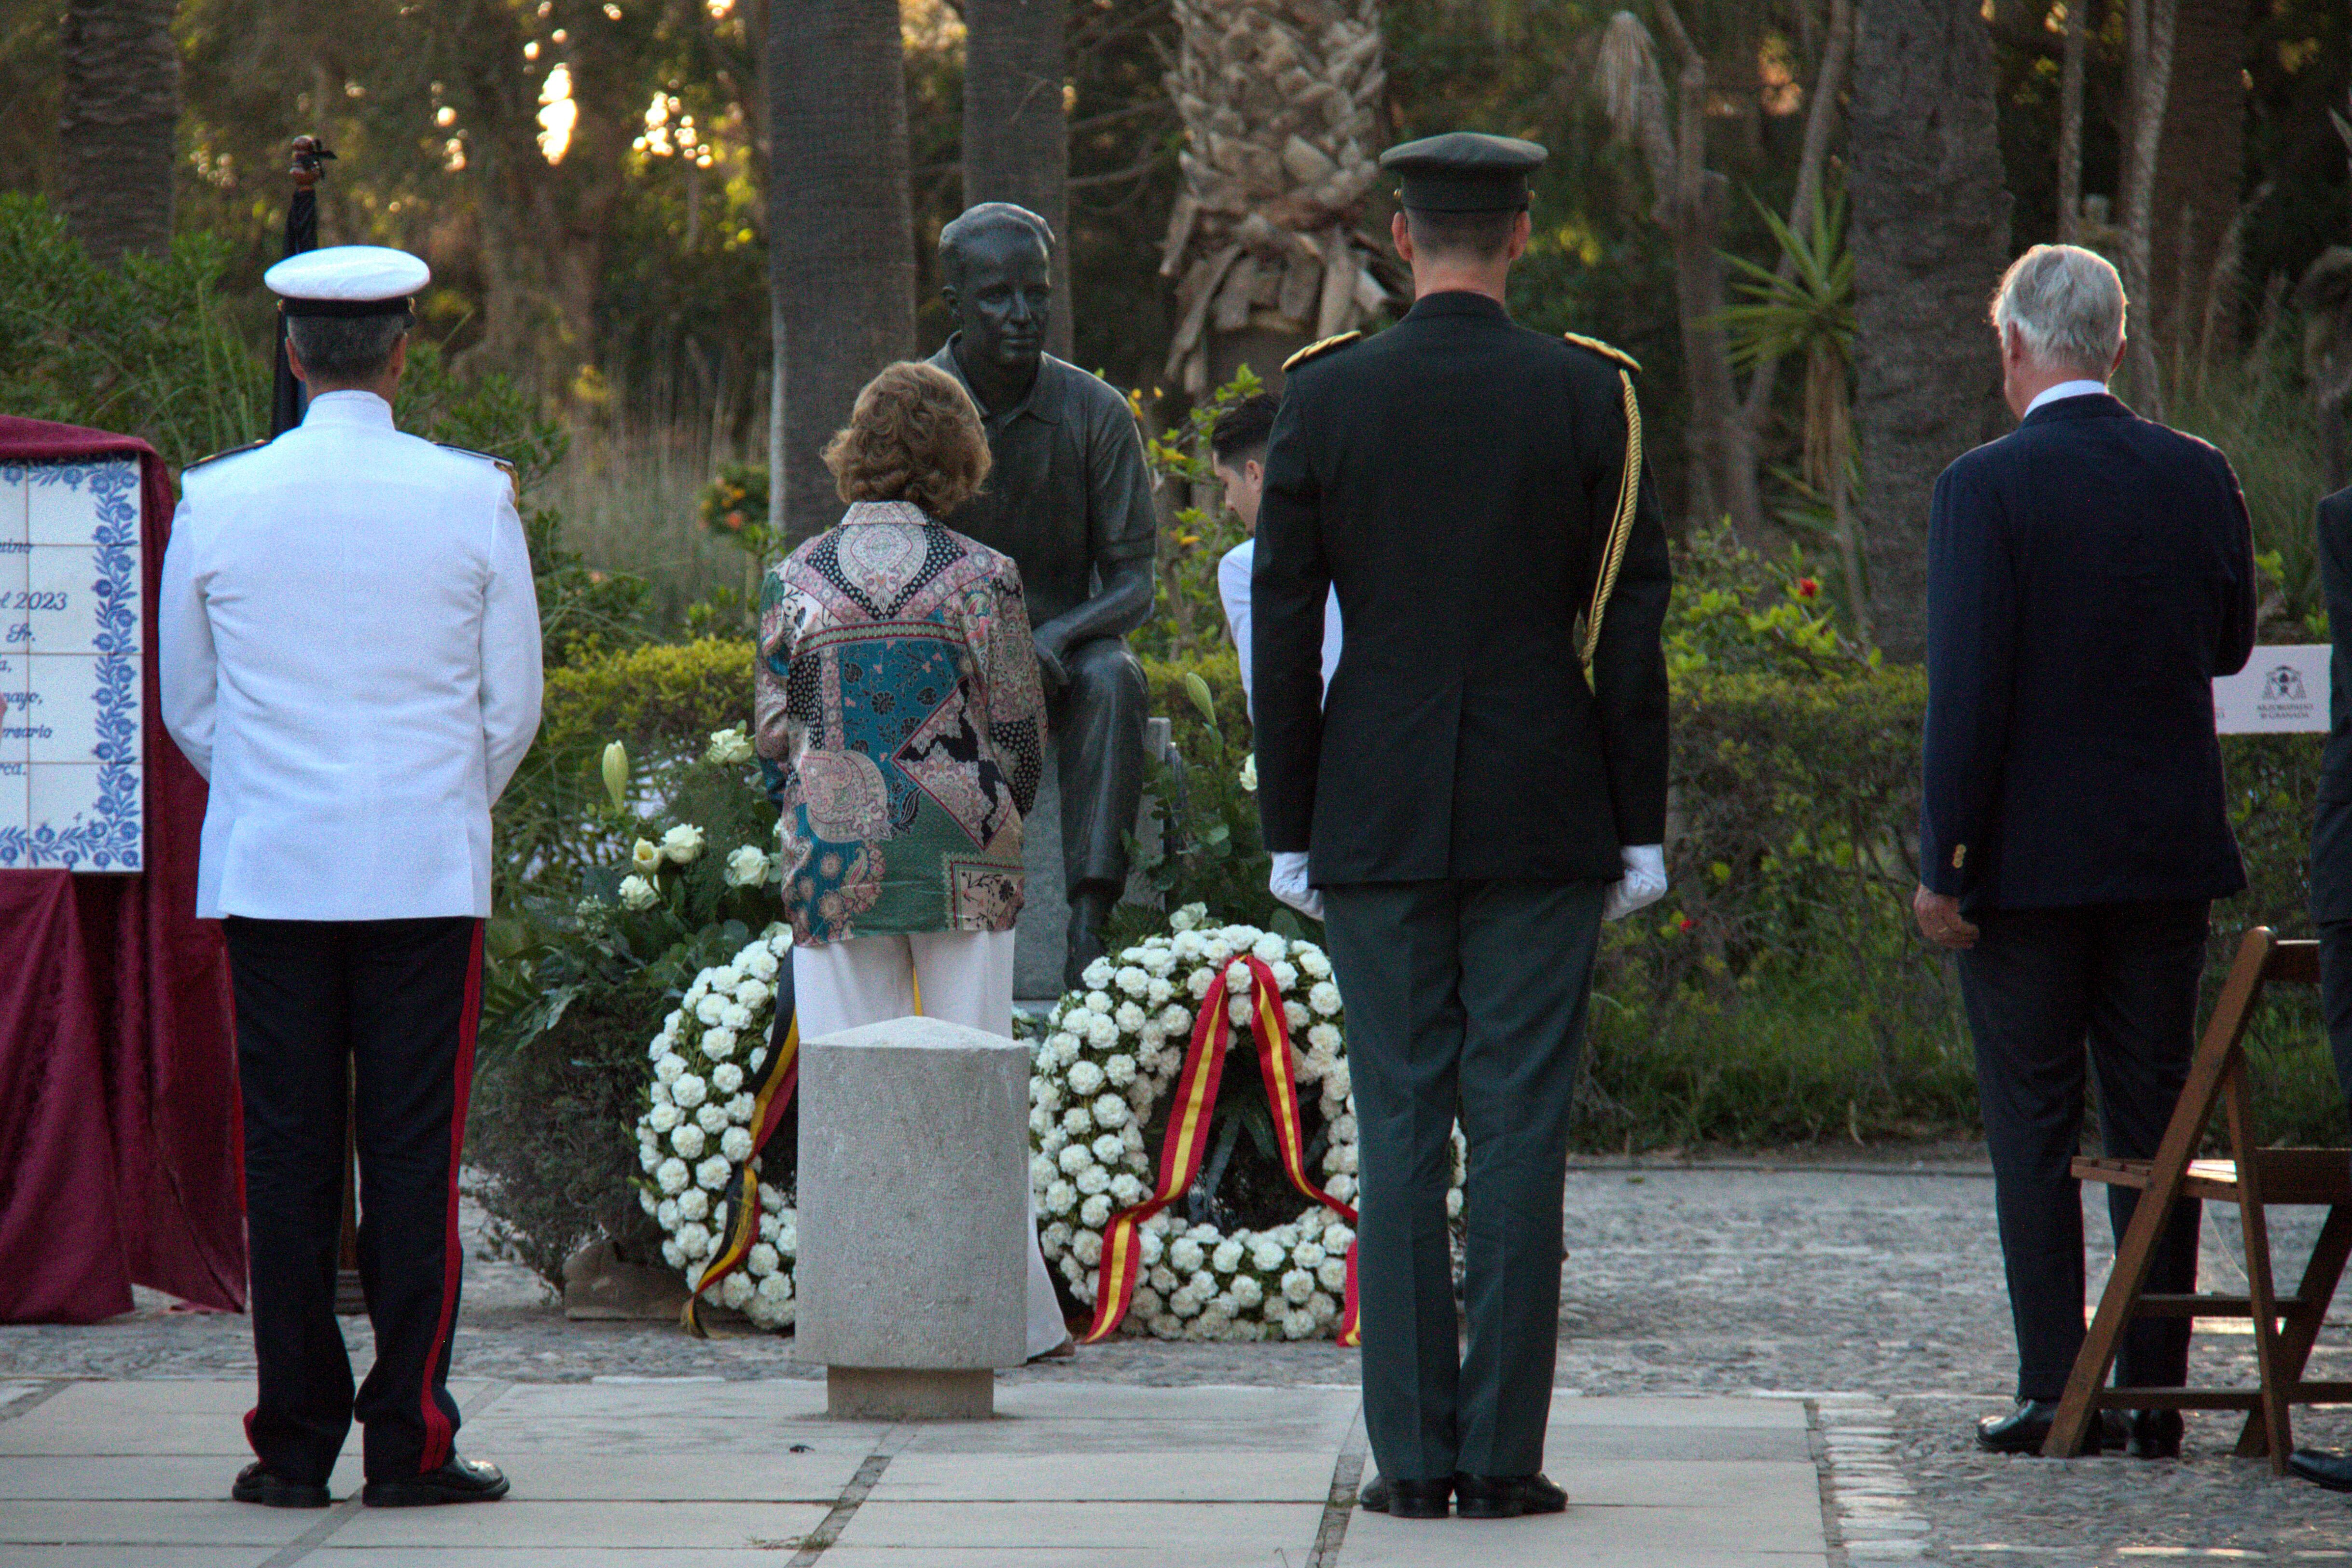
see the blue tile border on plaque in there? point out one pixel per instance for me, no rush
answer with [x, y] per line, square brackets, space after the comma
[111, 836]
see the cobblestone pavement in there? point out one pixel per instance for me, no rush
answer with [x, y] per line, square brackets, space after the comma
[1867, 1286]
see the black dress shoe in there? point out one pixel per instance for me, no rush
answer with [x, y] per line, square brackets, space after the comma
[1508, 1497]
[257, 1483]
[2024, 1429]
[458, 1481]
[1406, 1499]
[2322, 1468]
[2156, 1434]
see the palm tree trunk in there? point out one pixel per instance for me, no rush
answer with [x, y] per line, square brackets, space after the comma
[2070, 124]
[1016, 141]
[1930, 231]
[2200, 162]
[841, 249]
[2150, 82]
[118, 123]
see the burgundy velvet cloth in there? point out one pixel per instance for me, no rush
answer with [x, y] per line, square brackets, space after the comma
[119, 1140]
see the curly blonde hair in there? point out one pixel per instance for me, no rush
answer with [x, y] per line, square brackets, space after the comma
[913, 436]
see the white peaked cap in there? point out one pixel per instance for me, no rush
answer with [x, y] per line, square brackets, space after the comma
[348, 279]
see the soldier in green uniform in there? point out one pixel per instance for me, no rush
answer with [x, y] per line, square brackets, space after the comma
[1485, 779]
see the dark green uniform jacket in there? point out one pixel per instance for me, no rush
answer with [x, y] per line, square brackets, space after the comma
[1455, 479]
[2331, 838]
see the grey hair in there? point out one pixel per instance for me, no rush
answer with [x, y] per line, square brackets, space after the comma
[346, 348]
[2068, 305]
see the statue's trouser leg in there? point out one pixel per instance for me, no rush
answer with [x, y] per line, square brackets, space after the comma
[1464, 998]
[1098, 724]
[967, 979]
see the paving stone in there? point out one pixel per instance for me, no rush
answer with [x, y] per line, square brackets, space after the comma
[131, 1525]
[1229, 1475]
[116, 1557]
[518, 1523]
[1249, 1532]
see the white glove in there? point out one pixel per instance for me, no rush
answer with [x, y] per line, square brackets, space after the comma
[1643, 883]
[1288, 883]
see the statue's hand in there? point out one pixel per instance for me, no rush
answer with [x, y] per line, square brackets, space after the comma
[1049, 664]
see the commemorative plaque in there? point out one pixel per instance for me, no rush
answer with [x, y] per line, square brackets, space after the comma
[71, 698]
[2282, 690]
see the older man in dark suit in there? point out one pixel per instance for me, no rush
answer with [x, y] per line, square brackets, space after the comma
[2331, 859]
[2088, 576]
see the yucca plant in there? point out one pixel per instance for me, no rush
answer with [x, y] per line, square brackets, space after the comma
[1810, 313]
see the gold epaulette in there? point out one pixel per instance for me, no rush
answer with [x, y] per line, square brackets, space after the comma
[232, 452]
[1317, 350]
[514, 480]
[1610, 351]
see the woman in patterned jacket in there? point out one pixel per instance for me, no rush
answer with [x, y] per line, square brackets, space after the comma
[902, 728]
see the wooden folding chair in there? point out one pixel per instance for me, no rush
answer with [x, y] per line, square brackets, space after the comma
[2286, 1327]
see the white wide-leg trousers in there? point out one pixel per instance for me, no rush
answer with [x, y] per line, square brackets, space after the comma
[966, 978]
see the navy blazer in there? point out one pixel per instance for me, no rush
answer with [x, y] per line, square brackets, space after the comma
[2088, 575]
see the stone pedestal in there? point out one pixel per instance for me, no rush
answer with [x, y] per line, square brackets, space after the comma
[914, 1216]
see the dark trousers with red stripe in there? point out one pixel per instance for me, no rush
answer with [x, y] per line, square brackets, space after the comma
[383, 1011]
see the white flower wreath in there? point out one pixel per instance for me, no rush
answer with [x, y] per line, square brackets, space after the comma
[1108, 1055]
[697, 1130]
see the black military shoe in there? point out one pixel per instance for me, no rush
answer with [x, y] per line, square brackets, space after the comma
[257, 1483]
[458, 1481]
[1406, 1499]
[2156, 1434]
[2322, 1468]
[2024, 1429]
[1508, 1497]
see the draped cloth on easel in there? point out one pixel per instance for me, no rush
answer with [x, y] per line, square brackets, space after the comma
[119, 1137]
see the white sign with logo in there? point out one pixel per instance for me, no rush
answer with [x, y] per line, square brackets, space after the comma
[2282, 691]
[71, 696]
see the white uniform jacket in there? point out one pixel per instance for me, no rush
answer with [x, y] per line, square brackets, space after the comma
[349, 637]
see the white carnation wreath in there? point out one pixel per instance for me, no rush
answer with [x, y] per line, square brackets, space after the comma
[696, 1130]
[1109, 1054]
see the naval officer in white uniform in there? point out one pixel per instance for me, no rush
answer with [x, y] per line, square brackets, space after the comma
[349, 637]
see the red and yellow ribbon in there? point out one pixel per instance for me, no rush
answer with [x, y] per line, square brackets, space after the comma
[1186, 1141]
[779, 1076]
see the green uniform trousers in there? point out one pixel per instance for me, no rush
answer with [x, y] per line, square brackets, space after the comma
[1464, 999]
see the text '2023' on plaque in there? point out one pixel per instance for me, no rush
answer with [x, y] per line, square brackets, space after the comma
[70, 693]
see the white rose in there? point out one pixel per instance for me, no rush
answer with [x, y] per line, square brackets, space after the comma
[1119, 1071]
[694, 1241]
[1332, 1275]
[747, 866]
[1297, 1324]
[645, 856]
[1226, 1258]
[1095, 1211]
[712, 1118]
[776, 1288]
[1238, 1009]
[1454, 1203]
[1055, 1237]
[1186, 947]
[727, 1078]
[1186, 1255]
[1336, 1239]
[1268, 1256]
[1101, 1032]
[1295, 1015]
[1096, 974]
[713, 1173]
[735, 1291]
[1338, 1079]
[693, 1204]
[636, 893]
[1188, 916]
[1086, 1247]
[1048, 1094]
[1312, 959]
[1308, 1254]
[1285, 973]
[1076, 1157]
[754, 995]
[1040, 1118]
[1175, 1020]
[735, 1142]
[1158, 994]
[1247, 1292]
[728, 747]
[1324, 997]
[1108, 1147]
[671, 1068]
[1087, 1079]
[1164, 1280]
[671, 1176]
[1125, 1189]
[719, 1042]
[649, 1156]
[673, 1254]
[1342, 1187]
[1061, 1198]
[724, 977]
[1269, 948]
[761, 1260]
[663, 1117]
[739, 1107]
[1128, 1017]
[682, 843]
[735, 1016]
[707, 1007]
[1092, 1180]
[1201, 981]
[1110, 1111]
[1298, 1285]
[1078, 1120]
[758, 962]
[1323, 1037]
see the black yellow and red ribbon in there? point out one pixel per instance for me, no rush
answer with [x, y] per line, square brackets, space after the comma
[771, 1096]
[1188, 1126]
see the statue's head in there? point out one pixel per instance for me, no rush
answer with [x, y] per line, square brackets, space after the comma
[996, 272]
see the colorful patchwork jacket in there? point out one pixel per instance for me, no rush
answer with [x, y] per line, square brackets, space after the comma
[902, 727]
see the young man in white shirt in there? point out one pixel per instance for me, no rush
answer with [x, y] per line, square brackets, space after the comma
[1237, 452]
